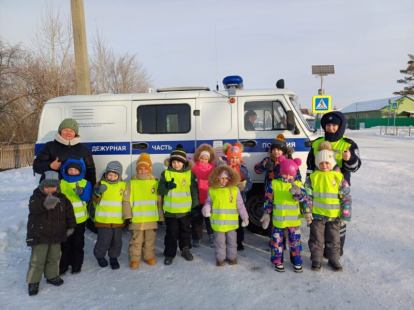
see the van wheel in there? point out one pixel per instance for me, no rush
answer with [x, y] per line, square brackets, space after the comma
[255, 210]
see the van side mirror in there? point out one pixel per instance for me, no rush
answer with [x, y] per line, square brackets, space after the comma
[291, 124]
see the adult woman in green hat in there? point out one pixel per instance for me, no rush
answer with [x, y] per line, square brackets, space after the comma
[66, 145]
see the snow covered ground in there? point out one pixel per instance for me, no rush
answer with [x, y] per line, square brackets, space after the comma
[378, 261]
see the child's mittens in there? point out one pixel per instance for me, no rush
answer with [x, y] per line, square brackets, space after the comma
[295, 190]
[100, 190]
[265, 220]
[170, 184]
[50, 202]
[245, 223]
[70, 231]
[206, 213]
[269, 166]
[308, 217]
[78, 190]
[343, 222]
[242, 185]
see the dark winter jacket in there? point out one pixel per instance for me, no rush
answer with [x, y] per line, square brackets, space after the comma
[64, 149]
[48, 226]
[163, 190]
[353, 164]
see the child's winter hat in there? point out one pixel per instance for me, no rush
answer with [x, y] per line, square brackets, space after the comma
[73, 165]
[279, 143]
[51, 179]
[325, 153]
[224, 174]
[116, 167]
[144, 160]
[289, 166]
[233, 150]
[327, 156]
[205, 153]
[69, 123]
[179, 154]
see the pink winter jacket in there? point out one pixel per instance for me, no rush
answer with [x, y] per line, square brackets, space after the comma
[202, 171]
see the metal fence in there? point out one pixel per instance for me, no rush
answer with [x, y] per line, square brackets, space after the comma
[16, 156]
[402, 131]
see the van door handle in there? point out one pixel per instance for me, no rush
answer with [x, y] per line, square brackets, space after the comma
[140, 146]
[249, 143]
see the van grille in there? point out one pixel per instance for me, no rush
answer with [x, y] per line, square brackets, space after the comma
[82, 113]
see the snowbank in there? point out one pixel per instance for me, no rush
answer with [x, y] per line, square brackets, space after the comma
[378, 261]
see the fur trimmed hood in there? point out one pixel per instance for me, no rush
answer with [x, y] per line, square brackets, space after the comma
[208, 148]
[214, 177]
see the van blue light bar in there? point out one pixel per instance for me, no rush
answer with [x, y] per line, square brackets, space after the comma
[233, 81]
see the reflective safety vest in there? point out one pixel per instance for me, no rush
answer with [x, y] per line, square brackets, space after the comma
[326, 193]
[224, 213]
[79, 206]
[178, 200]
[144, 201]
[109, 209]
[286, 212]
[338, 147]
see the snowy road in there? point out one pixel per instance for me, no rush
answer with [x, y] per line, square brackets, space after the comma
[378, 261]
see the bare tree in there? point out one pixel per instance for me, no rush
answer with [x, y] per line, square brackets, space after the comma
[111, 73]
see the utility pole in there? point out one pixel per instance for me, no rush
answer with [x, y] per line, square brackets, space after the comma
[83, 83]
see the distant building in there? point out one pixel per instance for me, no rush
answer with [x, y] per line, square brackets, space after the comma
[375, 113]
[378, 108]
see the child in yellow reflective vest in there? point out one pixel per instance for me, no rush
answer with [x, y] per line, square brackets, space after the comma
[283, 195]
[178, 186]
[107, 196]
[330, 201]
[223, 206]
[142, 209]
[79, 192]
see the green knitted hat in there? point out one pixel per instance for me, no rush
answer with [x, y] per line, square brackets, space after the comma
[69, 123]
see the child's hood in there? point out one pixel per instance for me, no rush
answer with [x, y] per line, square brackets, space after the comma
[214, 177]
[73, 178]
[209, 149]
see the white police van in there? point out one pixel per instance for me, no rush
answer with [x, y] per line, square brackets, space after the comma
[121, 126]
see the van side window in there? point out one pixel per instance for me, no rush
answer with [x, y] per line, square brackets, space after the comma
[264, 116]
[163, 118]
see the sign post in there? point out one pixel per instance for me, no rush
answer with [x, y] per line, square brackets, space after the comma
[394, 108]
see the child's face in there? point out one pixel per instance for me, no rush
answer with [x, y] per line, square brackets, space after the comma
[288, 176]
[203, 159]
[73, 171]
[235, 160]
[224, 181]
[177, 165]
[276, 152]
[142, 170]
[112, 176]
[325, 166]
[50, 190]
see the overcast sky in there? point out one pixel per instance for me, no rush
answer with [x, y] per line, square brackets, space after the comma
[262, 40]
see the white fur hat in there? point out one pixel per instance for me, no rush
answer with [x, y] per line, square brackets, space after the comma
[327, 156]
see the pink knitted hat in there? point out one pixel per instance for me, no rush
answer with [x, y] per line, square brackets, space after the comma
[289, 166]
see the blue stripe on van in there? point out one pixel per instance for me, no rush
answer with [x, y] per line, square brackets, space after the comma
[166, 147]
[100, 148]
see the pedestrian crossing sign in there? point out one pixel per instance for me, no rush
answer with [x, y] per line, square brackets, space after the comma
[394, 105]
[321, 104]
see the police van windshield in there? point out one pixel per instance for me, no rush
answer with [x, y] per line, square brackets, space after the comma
[310, 125]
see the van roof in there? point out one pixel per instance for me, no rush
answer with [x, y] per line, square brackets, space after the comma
[169, 95]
